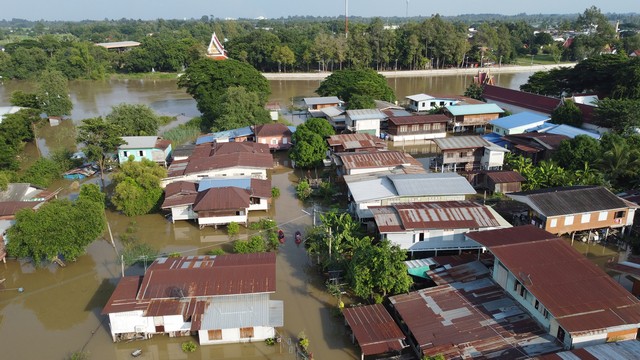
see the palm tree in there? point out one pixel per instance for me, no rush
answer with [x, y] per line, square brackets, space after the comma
[620, 164]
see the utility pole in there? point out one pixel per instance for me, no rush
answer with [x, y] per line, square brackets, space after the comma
[346, 18]
[330, 238]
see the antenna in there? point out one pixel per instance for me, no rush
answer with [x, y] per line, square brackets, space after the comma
[346, 18]
[407, 9]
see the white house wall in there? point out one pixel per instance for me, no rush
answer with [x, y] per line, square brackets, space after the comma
[362, 125]
[175, 323]
[262, 205]
[418, 137]
[260, 333]
[237, 172]
[588, 340]
[130, 322]
[183, 213]
[222, 220]
[433, 240]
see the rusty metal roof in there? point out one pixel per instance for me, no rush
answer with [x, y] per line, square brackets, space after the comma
[374, 329]
[507, 236]
[613, 350]
[581, 296]
[223, 198]
[418, 119]
[570, 200]
[504, 176]
[10, 208]
[179, 193]
[356, 141]
[432, 215]
[471, 318]
[379, 159]
[273, 129]
[123, 298]
[200, 276]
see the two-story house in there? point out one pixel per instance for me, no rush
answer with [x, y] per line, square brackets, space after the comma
[364, 121]
[417, 127]
[517, 123]
[276, 135]
[151, 148]
[221, 299]
[476, 116]
[430, 227]
[468, 153]
[424, 102]
[566, 210]
[572, 298]
[316, 104]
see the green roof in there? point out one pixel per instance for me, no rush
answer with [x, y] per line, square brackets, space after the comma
[457, 110]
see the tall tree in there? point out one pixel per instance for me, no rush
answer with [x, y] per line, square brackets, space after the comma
[134, 119]
[239, 108]
[348, 83]
[137, 187]
[100, 139]
[53, 93]
[567, 113]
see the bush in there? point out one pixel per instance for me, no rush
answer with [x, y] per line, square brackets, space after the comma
[42, 173]
[189, 346]
[233, 229]
[303, 190]
[275, 192]
[216, 252]
[174, 254]
[138, 253]
[184, 132]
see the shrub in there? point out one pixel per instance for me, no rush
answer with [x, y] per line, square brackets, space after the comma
[233, 229]
[174, 254]
[189, 346]
[275, 192]
[303, 190]
[215, 252]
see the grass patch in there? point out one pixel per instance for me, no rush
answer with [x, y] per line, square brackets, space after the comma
[185, 132]
[165, 120]
[540, 59]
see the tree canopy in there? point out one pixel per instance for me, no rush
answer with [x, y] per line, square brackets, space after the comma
[137, 187]
[357, 87]
[207, 82]
[53, 93]
[100, 138]
[134, 119]
[240, 108]
[59, 228]
[567, 113]
[310, 143]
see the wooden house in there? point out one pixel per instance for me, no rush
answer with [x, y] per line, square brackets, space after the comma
[499, 181]
[566, 210]
[417, 127]
[476, 117]
[277, 136]
[468, 153]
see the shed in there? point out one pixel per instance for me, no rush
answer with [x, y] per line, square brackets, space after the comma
[500, 181]
[374, 329]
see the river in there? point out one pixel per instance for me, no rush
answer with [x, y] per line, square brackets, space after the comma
[59, 310]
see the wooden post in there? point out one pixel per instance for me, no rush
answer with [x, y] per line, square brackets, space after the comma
[122, 264]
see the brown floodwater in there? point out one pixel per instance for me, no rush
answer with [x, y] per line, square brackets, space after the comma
[59, 310]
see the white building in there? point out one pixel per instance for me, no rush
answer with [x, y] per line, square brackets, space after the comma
[364, 121]
[518, 123]
[222, 299]
[424, 102]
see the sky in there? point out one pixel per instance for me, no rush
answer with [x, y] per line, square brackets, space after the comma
[74, 10]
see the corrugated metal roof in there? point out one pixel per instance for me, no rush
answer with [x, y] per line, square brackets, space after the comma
[356, 141]
[432, 215]
[118, 44]
[322, 100]
[365, 114]
[431, 184]
[566, 130]
[514, 235]
[476, 109]
[370, 189]
[332, 111]
[223, 198]
[517, 120]
[570, 200]
[236, 311]
[543, 104]
[610, 351]
[226, 134]
[579, 295]
[379, 159]
[123, 298]
[504, 176]
[374, 329]
[471, 318]
[139, 142]
[179, 193]
[461, 142]
[272, 129]
[206, 184]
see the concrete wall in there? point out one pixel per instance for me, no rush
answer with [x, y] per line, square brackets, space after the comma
[130, 322]
[437, 239]
[260, 333]
[183, 213]
[223, 220]
[228, 172]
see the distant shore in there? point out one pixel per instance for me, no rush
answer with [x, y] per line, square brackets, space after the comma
[420, 73]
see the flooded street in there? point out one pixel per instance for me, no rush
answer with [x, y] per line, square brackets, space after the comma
[59, 310]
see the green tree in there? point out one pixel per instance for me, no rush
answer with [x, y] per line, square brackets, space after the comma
[100, 139]
[620, 165]
[376, 271]
[283, 55]
[137, 187]
[474, 91]
[24, 99]
[42, 172]
[53, 93]
[621, 115]
[568, 113]
[350, 83]
[58, 228]
[303, 190]
[574, 153]
[134, 119]
[207, 82]
[233, 229]
[309, 141]
[240, 108]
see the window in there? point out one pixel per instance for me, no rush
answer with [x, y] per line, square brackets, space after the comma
[568, 220]
[274, 141]
[246, 332]
[125, 154]
[537, 304]
[441, 103]
[215, 334]
[516, 286]
[421, 237]
[463, 154]
[424, 104]
[603, 215]
[403, 128]
[585, 218]
[436, 126]
[433, 104]
[545, 313]
[141, 153]
[553, 222]
[449, 155]
[425, 127]
[415, 127]
[619, 215]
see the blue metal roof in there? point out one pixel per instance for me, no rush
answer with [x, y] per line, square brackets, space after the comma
[206, 184]
[517, 120]
[563, 129]
[230, 134]
[495, 138]
[457, 110]
[292, 128]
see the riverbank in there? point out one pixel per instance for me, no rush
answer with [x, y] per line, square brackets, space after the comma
[504, 69]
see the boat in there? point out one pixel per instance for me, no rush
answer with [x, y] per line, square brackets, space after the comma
[281, 236]
[136, 352]
[298, 237]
